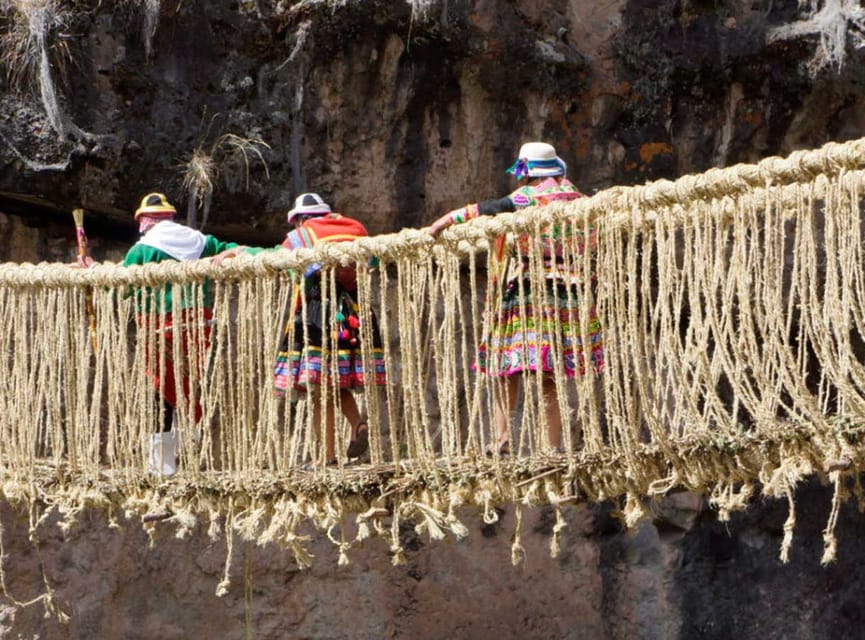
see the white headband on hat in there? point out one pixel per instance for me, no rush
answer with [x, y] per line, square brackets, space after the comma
[308, 204]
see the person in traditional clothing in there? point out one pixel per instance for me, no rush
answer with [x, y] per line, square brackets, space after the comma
[520, 337]
[186, 320]
[323, 336]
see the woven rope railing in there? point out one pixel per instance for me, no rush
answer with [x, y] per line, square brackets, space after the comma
[733, 311]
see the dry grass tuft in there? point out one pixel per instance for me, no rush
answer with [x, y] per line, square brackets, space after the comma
[836, 24]
[33, 45]
[227, 158]
[33, 27]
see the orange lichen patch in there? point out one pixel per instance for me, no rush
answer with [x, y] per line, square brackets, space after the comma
[583, 147]
[575, 125]
[481, 21]
[753, 117]
[564, 121]
[651, 149]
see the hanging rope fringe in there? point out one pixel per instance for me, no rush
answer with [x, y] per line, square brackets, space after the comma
[830, 544]
[730, 305]
[518, 553]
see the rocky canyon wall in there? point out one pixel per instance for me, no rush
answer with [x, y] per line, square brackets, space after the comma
[678, 574]
[395, 111]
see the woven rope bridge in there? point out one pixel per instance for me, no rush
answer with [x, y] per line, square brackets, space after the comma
[733, 312]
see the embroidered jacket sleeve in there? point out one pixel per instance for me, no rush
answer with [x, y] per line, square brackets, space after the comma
[527, 196]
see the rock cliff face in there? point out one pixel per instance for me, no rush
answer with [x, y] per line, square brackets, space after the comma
[681, 574]
[396, 111]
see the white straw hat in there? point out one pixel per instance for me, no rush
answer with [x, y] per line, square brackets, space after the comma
[308, 204]
[538, 160]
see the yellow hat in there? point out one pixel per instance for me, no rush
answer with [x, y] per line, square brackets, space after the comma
[154, 203]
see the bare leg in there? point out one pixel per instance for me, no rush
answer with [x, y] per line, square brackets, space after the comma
[327, 429]
[350, 411]
[504, 409]
[554, 416]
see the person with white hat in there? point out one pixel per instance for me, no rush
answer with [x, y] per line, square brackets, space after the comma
[327, 327]
[180, 319]
[541, 177]
[520, 337]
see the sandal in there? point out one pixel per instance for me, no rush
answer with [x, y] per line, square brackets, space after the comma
[358, 446]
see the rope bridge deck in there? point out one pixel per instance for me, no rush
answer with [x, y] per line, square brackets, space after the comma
[732, 307]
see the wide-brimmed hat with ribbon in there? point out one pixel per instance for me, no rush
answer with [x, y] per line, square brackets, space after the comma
[538, 160]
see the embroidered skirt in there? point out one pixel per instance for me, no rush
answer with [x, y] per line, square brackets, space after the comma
[318, 353]
[522, 338]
